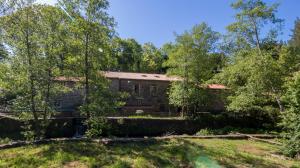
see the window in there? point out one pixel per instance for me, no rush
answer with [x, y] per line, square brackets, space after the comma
[58, 103]
[139, 102]
[136, 89]
[153, 90]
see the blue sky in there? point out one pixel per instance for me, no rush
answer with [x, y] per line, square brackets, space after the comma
[156, 21]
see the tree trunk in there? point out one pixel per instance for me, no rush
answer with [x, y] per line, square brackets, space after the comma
[279, 103]
[185, 88]
[31, 80]
[47, 97]
[86, 73]
[256, 35]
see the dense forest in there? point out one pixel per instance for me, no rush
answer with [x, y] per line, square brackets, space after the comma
[77, 38]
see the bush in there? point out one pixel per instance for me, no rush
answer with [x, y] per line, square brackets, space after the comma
[291, 117]
[292, 146]
[4, 141]
[120, 164]
[141, 162]
[204, 132]
[97, 125]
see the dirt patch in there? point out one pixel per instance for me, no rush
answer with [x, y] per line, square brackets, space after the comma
[75, 164]
[251, 149]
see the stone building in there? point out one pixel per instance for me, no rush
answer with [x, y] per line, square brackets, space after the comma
[148, 93]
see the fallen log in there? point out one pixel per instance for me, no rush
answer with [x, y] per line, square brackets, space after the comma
[142, 139]
[256, 138]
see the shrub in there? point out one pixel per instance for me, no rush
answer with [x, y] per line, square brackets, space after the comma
[97, 125]
[291, 117]
[205, 132]
[4, 141]
[141, 162]
[120, 164]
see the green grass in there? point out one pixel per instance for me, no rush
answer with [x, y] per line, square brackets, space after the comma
[154, 117]
[165, 153]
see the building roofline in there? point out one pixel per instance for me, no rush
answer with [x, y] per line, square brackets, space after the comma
[138, 76]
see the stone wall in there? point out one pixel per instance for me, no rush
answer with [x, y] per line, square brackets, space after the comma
[149, 96]
[117, 126]
[69, 101]
[146, 95]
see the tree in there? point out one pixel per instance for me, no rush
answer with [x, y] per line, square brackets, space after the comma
[92, 30]
[22, 33]
[189, 59]
[129, 55]
[152, 59]
[291, 116]
[255, 73]
[30, 32]
[252, 17]
[295, 40]
[21, 28]
[53, 24]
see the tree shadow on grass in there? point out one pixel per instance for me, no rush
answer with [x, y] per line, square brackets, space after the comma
[159, 153]
[155, 153]
[235, 158]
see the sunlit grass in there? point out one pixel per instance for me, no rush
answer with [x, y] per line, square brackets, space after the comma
[165, 153]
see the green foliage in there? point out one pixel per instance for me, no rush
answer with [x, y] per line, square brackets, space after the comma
[133, 57]
[96, 125]
[291, 116]
[32, 35]
[142, 162]
[252, 17]
[129, 55]
[4, 141]
[120, 164]
[104, 102]
[295, 40]
[92, 30]
[204, 132]
[259, 64]
[229, 130]
[191, 58]
[3, 53]
[252, 80]
[192, 52]
[47, 42]
[152, 59]
[195, 96]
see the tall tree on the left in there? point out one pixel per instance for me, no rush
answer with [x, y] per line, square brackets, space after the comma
[20, 26]
[27, 33]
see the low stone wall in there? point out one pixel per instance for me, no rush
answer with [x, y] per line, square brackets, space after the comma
[63, 127]
[10, 127]
[136, 127]
[159, 127]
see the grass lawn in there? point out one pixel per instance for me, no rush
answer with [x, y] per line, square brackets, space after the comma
[165, 153]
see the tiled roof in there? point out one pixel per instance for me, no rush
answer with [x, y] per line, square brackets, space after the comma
[139, 76]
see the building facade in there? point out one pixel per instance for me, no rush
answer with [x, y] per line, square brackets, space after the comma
[148, 93]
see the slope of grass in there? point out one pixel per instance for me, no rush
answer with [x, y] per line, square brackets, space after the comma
[167, 153]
